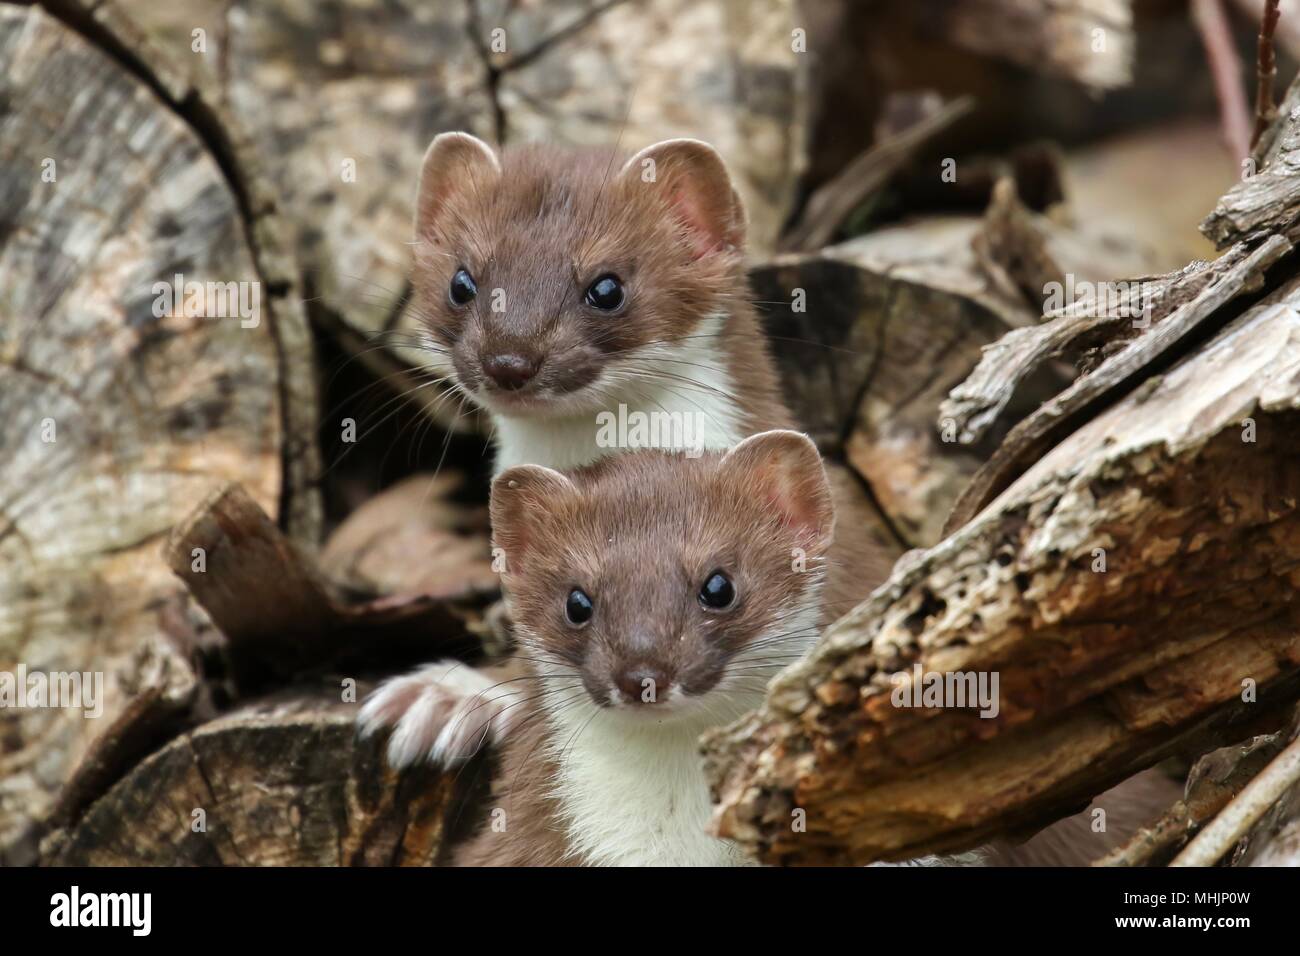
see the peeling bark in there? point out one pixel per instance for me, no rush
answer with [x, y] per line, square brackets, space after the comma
[1031, 438]
[1101, 673]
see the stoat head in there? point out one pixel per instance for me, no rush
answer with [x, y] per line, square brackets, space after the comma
[659, 586]
[550, 278]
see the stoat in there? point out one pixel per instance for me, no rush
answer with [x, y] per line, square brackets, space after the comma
[557, 286]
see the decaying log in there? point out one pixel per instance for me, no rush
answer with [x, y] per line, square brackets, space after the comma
[1215, 779]
[975, 405]
[1133, 591]
[1032, 437]
[1268, 202]
[279, 782]
[118, 410]
[278, 614]
[870, 334]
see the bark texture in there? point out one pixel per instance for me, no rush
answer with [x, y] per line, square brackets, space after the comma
[278, 782]
[1128, 590]
[118, 413]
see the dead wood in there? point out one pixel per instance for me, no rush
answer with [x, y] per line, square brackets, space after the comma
[120, 411]
[278, 615]
[278, 782]
[1266, 201]
[831, 205]
[872, 333]
[1272, 789]
[1035, 435]
[1215, 779]
[1103, 667]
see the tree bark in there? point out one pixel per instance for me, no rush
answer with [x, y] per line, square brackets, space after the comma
[1129, 590]
[120, 408]
[278, 782]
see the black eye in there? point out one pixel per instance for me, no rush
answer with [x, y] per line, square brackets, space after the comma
[606, 294]
[462, 287]
[718, 592]
[578, 608]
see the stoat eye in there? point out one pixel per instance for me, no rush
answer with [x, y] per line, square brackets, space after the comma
[606, 293]
[578, 608]
[717, 593]
[462, 288]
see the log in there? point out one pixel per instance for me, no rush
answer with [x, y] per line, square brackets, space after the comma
[119, 408]
[280, 617]
[890, 322]
[282, 781]
[1238, 276]
[1132, 591]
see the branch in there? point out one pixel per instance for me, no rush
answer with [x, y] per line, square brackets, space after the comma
[1265, 71]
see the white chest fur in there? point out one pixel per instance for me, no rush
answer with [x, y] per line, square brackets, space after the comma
[633, 792]
[638, 798]
[685, 383]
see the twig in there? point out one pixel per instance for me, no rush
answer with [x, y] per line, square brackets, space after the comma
[1240, 815]
[1225, 67]
[1149, 841]
[1265, 71]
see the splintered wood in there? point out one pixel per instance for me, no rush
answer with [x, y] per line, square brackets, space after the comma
[1127, 591]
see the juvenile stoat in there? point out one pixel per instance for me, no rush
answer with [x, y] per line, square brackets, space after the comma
[653, 596]
[556, 285]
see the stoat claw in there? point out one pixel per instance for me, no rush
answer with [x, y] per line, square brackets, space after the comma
[442, 713]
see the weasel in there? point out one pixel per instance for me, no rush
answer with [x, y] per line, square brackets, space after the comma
[654, 595]
[557, 285]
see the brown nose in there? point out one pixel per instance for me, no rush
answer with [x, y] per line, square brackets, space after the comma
[510, 372]
[643, 684]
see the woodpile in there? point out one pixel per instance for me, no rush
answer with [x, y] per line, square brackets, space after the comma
[1096, 505]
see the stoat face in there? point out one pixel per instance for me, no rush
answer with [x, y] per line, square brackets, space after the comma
[660, 587]
[551, 281]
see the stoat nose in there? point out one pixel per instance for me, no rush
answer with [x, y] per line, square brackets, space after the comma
[508, 371]
[643, 684]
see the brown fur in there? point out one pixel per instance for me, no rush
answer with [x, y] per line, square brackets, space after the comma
[639, 533]
[548, 224]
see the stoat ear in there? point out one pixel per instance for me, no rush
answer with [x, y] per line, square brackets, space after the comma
[784, 470]
[519, 496]
[694, 179]
[452, 161]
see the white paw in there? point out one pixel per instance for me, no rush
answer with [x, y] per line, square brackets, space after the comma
[442, 713]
